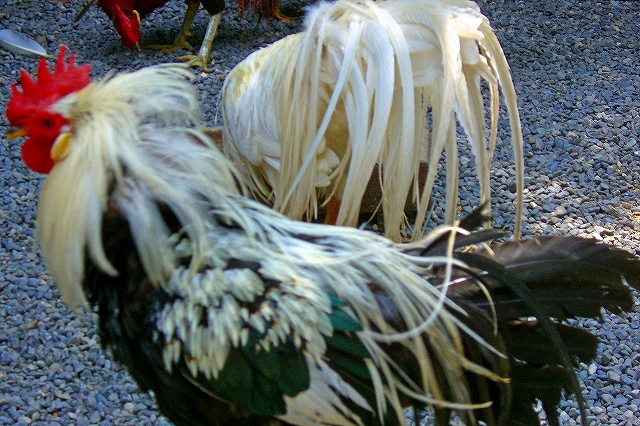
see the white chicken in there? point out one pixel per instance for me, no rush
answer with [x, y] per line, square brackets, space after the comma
[309, 117]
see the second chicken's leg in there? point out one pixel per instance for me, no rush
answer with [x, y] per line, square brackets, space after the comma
[185, 31]
[202, 58]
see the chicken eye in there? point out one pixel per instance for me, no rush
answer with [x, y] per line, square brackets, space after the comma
[47, 123]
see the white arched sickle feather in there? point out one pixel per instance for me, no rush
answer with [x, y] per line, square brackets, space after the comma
[357, 87]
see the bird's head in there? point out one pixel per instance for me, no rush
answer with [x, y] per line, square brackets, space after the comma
[127, 140]
[127, 24]
[30, 110]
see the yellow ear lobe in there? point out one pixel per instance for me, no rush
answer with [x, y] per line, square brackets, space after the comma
[61, 147]
[137, 15]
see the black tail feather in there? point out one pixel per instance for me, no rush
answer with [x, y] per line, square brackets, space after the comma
[528, 342]
[533, 383]
[533, 285]
[472, 221]
[572, 259]
[520, 289]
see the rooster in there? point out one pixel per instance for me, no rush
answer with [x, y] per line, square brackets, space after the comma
[126, 15]
[233, 314]
[309, 117]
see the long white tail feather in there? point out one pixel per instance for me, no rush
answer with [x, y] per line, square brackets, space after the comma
[358, 84]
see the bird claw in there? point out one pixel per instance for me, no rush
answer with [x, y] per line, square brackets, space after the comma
[194, 61]
[282, 17]
[169, 48]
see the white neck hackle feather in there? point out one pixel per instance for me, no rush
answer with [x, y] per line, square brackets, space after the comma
[130, 148]
[125, 126]
[316, 111]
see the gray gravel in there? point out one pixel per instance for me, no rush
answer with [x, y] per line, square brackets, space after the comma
[575, 67]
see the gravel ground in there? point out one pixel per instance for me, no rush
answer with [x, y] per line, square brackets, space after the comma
[575, 67]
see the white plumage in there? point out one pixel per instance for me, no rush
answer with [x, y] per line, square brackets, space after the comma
[308, 117]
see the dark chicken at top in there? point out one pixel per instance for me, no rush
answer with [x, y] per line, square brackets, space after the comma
[127, 14]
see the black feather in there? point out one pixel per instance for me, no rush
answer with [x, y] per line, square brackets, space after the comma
[471, 222]
[581, 261]
[551, 279]
[528, 342]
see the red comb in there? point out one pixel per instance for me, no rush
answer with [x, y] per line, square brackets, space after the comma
[36, 96]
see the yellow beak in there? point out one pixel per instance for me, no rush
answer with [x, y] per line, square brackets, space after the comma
[61, 147]
[135, 12]
[16, 134]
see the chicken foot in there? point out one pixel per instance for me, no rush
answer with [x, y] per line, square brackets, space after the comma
[185, 31]
[202, 58]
